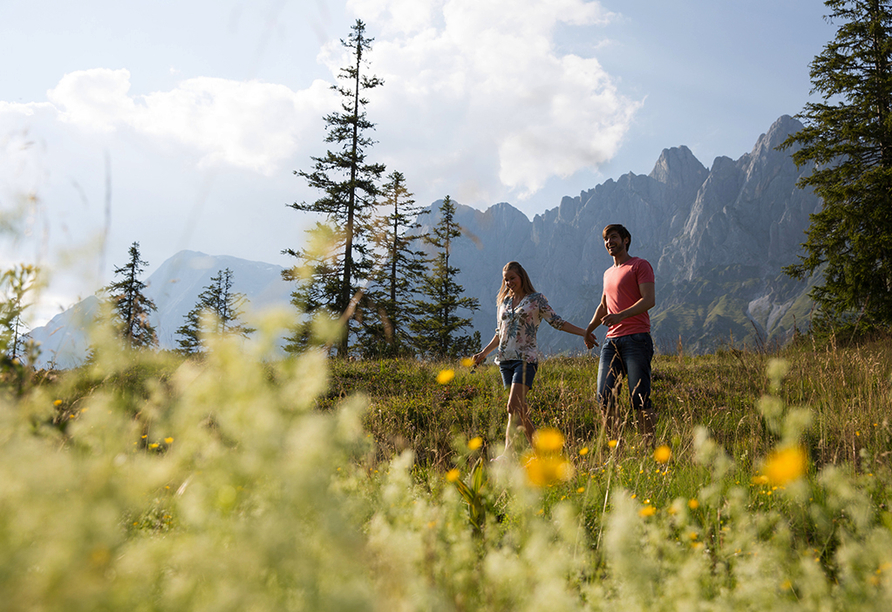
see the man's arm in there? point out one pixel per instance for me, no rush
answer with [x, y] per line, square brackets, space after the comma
[589, 337]
[647, 301]
[600, 313]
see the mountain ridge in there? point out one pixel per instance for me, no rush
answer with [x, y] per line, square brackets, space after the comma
[717, 238]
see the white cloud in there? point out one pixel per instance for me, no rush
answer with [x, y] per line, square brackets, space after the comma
[397, 16]
[476, 94]
[477, 101]
[96, 98]
[249, 124]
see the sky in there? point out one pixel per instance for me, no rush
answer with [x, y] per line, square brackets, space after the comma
[179, 124]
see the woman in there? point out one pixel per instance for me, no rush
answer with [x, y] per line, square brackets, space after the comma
[520, 310]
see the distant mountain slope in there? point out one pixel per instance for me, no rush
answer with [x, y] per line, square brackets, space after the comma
[176, 283]
[174, 287]
[717, 239]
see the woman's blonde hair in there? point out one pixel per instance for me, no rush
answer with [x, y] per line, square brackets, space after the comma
[525, 282]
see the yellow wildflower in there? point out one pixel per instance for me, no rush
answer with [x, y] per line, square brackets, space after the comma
[467, 362]
[445, 376]
[168, 440]
[647, 511]
[612, 443]
[693, 504]
[452, 475]
[57, 403]
[548, 440]
[785, 465]
[583, 450]
[153, 445]
[475, 443]
[545, 470]
[662, 454]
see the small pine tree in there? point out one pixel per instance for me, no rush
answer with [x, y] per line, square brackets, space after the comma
[15, 283]
[386, 330]
[130, 306]
[189, 339]
[216, 314]
[438, 322]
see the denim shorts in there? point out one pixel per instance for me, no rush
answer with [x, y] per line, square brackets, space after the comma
[517, 371]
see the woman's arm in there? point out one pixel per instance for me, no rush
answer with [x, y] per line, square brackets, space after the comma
[547, 313]
[479, 357]
[587, 335]
[572, 329]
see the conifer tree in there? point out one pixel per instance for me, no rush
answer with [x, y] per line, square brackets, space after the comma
[217, 313]
[438, 324]
[189, 338]
[848, 136]
[15, 284]
[130, 306]
[388, 313]
[339, 268]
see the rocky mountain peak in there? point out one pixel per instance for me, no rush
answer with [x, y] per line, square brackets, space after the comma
[678, 166]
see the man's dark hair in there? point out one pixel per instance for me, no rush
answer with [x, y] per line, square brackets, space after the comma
[619, 229]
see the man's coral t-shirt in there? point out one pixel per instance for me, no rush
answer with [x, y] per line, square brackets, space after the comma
[621, 290]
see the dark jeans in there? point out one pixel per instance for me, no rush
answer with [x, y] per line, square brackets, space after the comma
[628, 356]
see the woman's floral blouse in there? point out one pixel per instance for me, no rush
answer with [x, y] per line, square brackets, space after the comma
[517, 327]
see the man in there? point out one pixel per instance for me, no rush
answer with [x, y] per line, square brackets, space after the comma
[628, 347]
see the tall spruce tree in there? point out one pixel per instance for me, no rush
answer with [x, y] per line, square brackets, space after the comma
[340, 267]
[848, 136]
[438, 320]
[217, 313]
[388, 312]
[130, 306]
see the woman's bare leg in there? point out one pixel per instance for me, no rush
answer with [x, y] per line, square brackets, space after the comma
[517, 405]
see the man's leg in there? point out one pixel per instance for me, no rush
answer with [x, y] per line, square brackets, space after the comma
[610, 370]
[637, 354]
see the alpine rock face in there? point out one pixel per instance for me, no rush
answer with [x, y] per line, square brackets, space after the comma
[717, 238]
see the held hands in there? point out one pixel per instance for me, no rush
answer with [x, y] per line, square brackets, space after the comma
[589, 339]
[478, 358]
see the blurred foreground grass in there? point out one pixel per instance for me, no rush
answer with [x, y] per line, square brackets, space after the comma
[240, 482]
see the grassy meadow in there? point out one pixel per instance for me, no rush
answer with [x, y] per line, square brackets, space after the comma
[242, 482]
